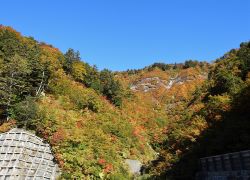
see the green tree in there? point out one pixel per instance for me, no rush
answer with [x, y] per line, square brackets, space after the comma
[111, 88]
[161, 66]
[244, 58]
[92, 78]
[22, 72]
[25, 112]
[190, 63]
[70, 56]
[9, 42]
[13, 81]
[225, 81]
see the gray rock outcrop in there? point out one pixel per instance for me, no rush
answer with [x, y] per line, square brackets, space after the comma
[134, 166]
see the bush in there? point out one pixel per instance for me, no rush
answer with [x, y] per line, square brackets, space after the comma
[190, 63]
[25, 113]
[111, 88]
[78, 71]
[161, 66]
[225, 81]
[81, 97]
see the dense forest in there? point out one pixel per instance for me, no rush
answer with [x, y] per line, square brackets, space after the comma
[166, 116]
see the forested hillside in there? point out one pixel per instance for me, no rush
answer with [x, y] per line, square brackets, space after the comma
[165, 115]
[220, 124]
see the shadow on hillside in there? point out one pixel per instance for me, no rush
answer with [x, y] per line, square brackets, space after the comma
[2, 115]
[229, 135]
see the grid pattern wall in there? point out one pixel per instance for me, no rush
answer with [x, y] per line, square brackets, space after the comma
[226, 162]
[24, 156]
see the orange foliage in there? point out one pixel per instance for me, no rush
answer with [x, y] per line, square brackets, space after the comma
[101, 161]
[79, 124]
[6, 126]
[58, 136]
[10, 29]
[58, 157]
[108, 168]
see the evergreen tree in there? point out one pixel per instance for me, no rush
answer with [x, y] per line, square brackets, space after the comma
[190, 63]
[92, 78]
[70, 57]
[110, 87]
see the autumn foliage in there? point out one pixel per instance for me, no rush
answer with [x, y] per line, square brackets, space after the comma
[94, 120]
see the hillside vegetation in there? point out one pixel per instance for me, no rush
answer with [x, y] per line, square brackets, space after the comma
[165, 115]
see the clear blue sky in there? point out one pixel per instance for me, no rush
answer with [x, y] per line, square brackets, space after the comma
[122, 34]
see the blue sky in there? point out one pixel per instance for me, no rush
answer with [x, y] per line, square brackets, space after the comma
[128, 34]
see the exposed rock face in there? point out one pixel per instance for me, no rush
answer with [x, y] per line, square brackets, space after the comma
[149, 84]
[134, 166]
[25, 156]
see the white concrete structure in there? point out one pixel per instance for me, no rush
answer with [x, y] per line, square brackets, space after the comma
[23, 155]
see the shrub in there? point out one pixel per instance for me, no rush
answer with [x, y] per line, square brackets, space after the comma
[190, 63]
[81, 97]
[25, 112]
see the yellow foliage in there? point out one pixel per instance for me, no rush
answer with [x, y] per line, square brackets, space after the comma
[78, 70]
[6, 126]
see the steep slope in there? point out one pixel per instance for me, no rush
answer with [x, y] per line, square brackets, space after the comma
[165, 108]
[163, 116]
[60, 98]
[220, 125]
[90, 137]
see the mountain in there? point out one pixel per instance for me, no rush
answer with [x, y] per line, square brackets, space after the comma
[165, 116]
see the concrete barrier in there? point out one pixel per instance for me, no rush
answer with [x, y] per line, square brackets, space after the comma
[225, 166]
